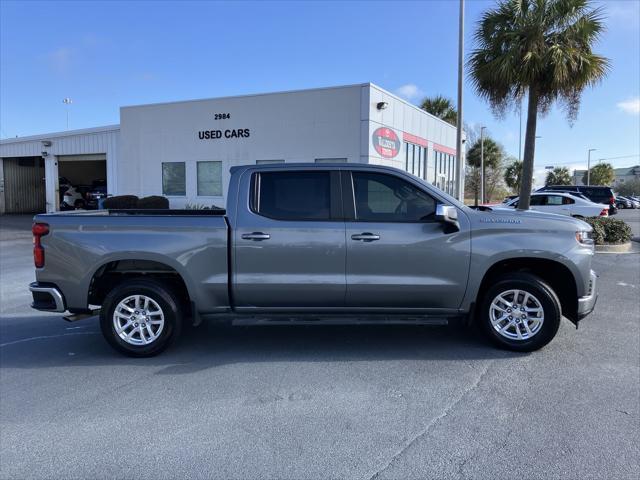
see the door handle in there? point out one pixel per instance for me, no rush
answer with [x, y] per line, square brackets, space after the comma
[257, 236]
[365, 237]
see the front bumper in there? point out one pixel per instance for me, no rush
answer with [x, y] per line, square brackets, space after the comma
[587, 303]
[47, 297]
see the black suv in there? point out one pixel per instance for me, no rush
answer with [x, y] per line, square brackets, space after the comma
[597, 194]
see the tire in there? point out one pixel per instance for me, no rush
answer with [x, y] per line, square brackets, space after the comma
[162, 317]
[541, 296]
[79, 204]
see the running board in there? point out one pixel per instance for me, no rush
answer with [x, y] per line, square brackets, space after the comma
[246, 321]
[75, 317]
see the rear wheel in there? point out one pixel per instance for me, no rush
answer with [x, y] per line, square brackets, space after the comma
[140, 317]
[520, 312]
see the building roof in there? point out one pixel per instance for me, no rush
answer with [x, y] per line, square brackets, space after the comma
[68, 133]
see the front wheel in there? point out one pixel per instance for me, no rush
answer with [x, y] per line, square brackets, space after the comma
[520, 312]
[140, 317]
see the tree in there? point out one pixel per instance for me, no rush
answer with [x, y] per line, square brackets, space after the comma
[440, 107]
[558, 176]
[630, 187]
[513, 175]
[493, 166]
[493, 153]
[601, 174]
[542, 48]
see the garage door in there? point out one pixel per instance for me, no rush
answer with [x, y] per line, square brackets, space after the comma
[24, 190]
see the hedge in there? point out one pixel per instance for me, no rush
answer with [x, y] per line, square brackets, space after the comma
[121, 202]
[154, 201]
[608, 230]
[127, 202]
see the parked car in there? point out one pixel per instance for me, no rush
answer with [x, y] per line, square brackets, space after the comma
[597, 194]
[634, 203]
[95, 193]
[314, 243]
[564, 204]
[623, 202]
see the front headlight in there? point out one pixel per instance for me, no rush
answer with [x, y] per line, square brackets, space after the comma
[583, 237]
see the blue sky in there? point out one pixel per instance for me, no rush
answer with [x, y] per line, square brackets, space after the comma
[107, 54]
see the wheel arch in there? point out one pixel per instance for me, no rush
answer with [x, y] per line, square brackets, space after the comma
[554, 273]
[115, 270]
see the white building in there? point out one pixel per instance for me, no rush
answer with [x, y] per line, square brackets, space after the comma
[184, 150]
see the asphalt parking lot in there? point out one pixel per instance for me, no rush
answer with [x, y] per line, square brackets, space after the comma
[319, 402]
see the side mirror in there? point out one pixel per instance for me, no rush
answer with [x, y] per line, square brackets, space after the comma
[448, 215]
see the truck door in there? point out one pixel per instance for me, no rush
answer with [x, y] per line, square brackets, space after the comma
[289, 242]
[398, 255]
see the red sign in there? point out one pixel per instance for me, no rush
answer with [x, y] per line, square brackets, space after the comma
[386, 142]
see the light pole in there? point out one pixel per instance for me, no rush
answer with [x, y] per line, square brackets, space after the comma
[459, 161]
[67, 101]
[482, 164]
[589, 165]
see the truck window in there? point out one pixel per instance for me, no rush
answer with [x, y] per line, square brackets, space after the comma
[292, 195]
[385, 198]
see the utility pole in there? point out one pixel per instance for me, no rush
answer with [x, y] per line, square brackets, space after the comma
[67, 101]
[589, 165]
[482, 164]
[459, 159]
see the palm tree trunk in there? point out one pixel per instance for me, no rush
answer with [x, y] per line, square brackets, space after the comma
[529, 151]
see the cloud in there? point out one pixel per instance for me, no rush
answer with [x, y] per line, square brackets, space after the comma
[631, 106]
[60, 59]
[409, 91]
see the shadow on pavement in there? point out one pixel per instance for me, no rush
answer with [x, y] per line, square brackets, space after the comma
[210, 346]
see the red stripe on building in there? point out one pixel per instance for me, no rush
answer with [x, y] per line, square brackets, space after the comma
[443, 149]
[407, 137]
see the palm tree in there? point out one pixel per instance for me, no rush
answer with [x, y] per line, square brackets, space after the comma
[542, 48]
[513, 175]
[440, 107]
[558, 176]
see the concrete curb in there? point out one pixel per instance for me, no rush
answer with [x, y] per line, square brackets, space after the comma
[621, 248]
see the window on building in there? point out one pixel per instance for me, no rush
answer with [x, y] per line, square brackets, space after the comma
[173, 179]
[209, 179]
[266, 162]
[385, 198]
[415, 159]
[331, 160]
[292, 195]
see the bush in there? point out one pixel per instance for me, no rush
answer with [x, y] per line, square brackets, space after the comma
[121, 202]
[154, 201]
[608, 230]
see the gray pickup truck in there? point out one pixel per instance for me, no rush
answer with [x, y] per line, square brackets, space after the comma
[305, 243]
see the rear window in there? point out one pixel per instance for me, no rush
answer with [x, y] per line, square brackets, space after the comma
[292, 195]
[597, 194]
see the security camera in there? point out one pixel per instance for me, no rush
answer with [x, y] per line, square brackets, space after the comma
[46, 143]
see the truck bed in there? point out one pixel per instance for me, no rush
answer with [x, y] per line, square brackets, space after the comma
[193, 243]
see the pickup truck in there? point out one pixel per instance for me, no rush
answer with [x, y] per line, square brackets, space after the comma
[307, 243]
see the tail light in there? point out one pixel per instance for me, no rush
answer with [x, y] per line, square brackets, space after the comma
[612, 200]
[39, 230]
[604, 212]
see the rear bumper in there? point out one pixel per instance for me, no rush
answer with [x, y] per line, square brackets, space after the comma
[47, 297]
[587, 303]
